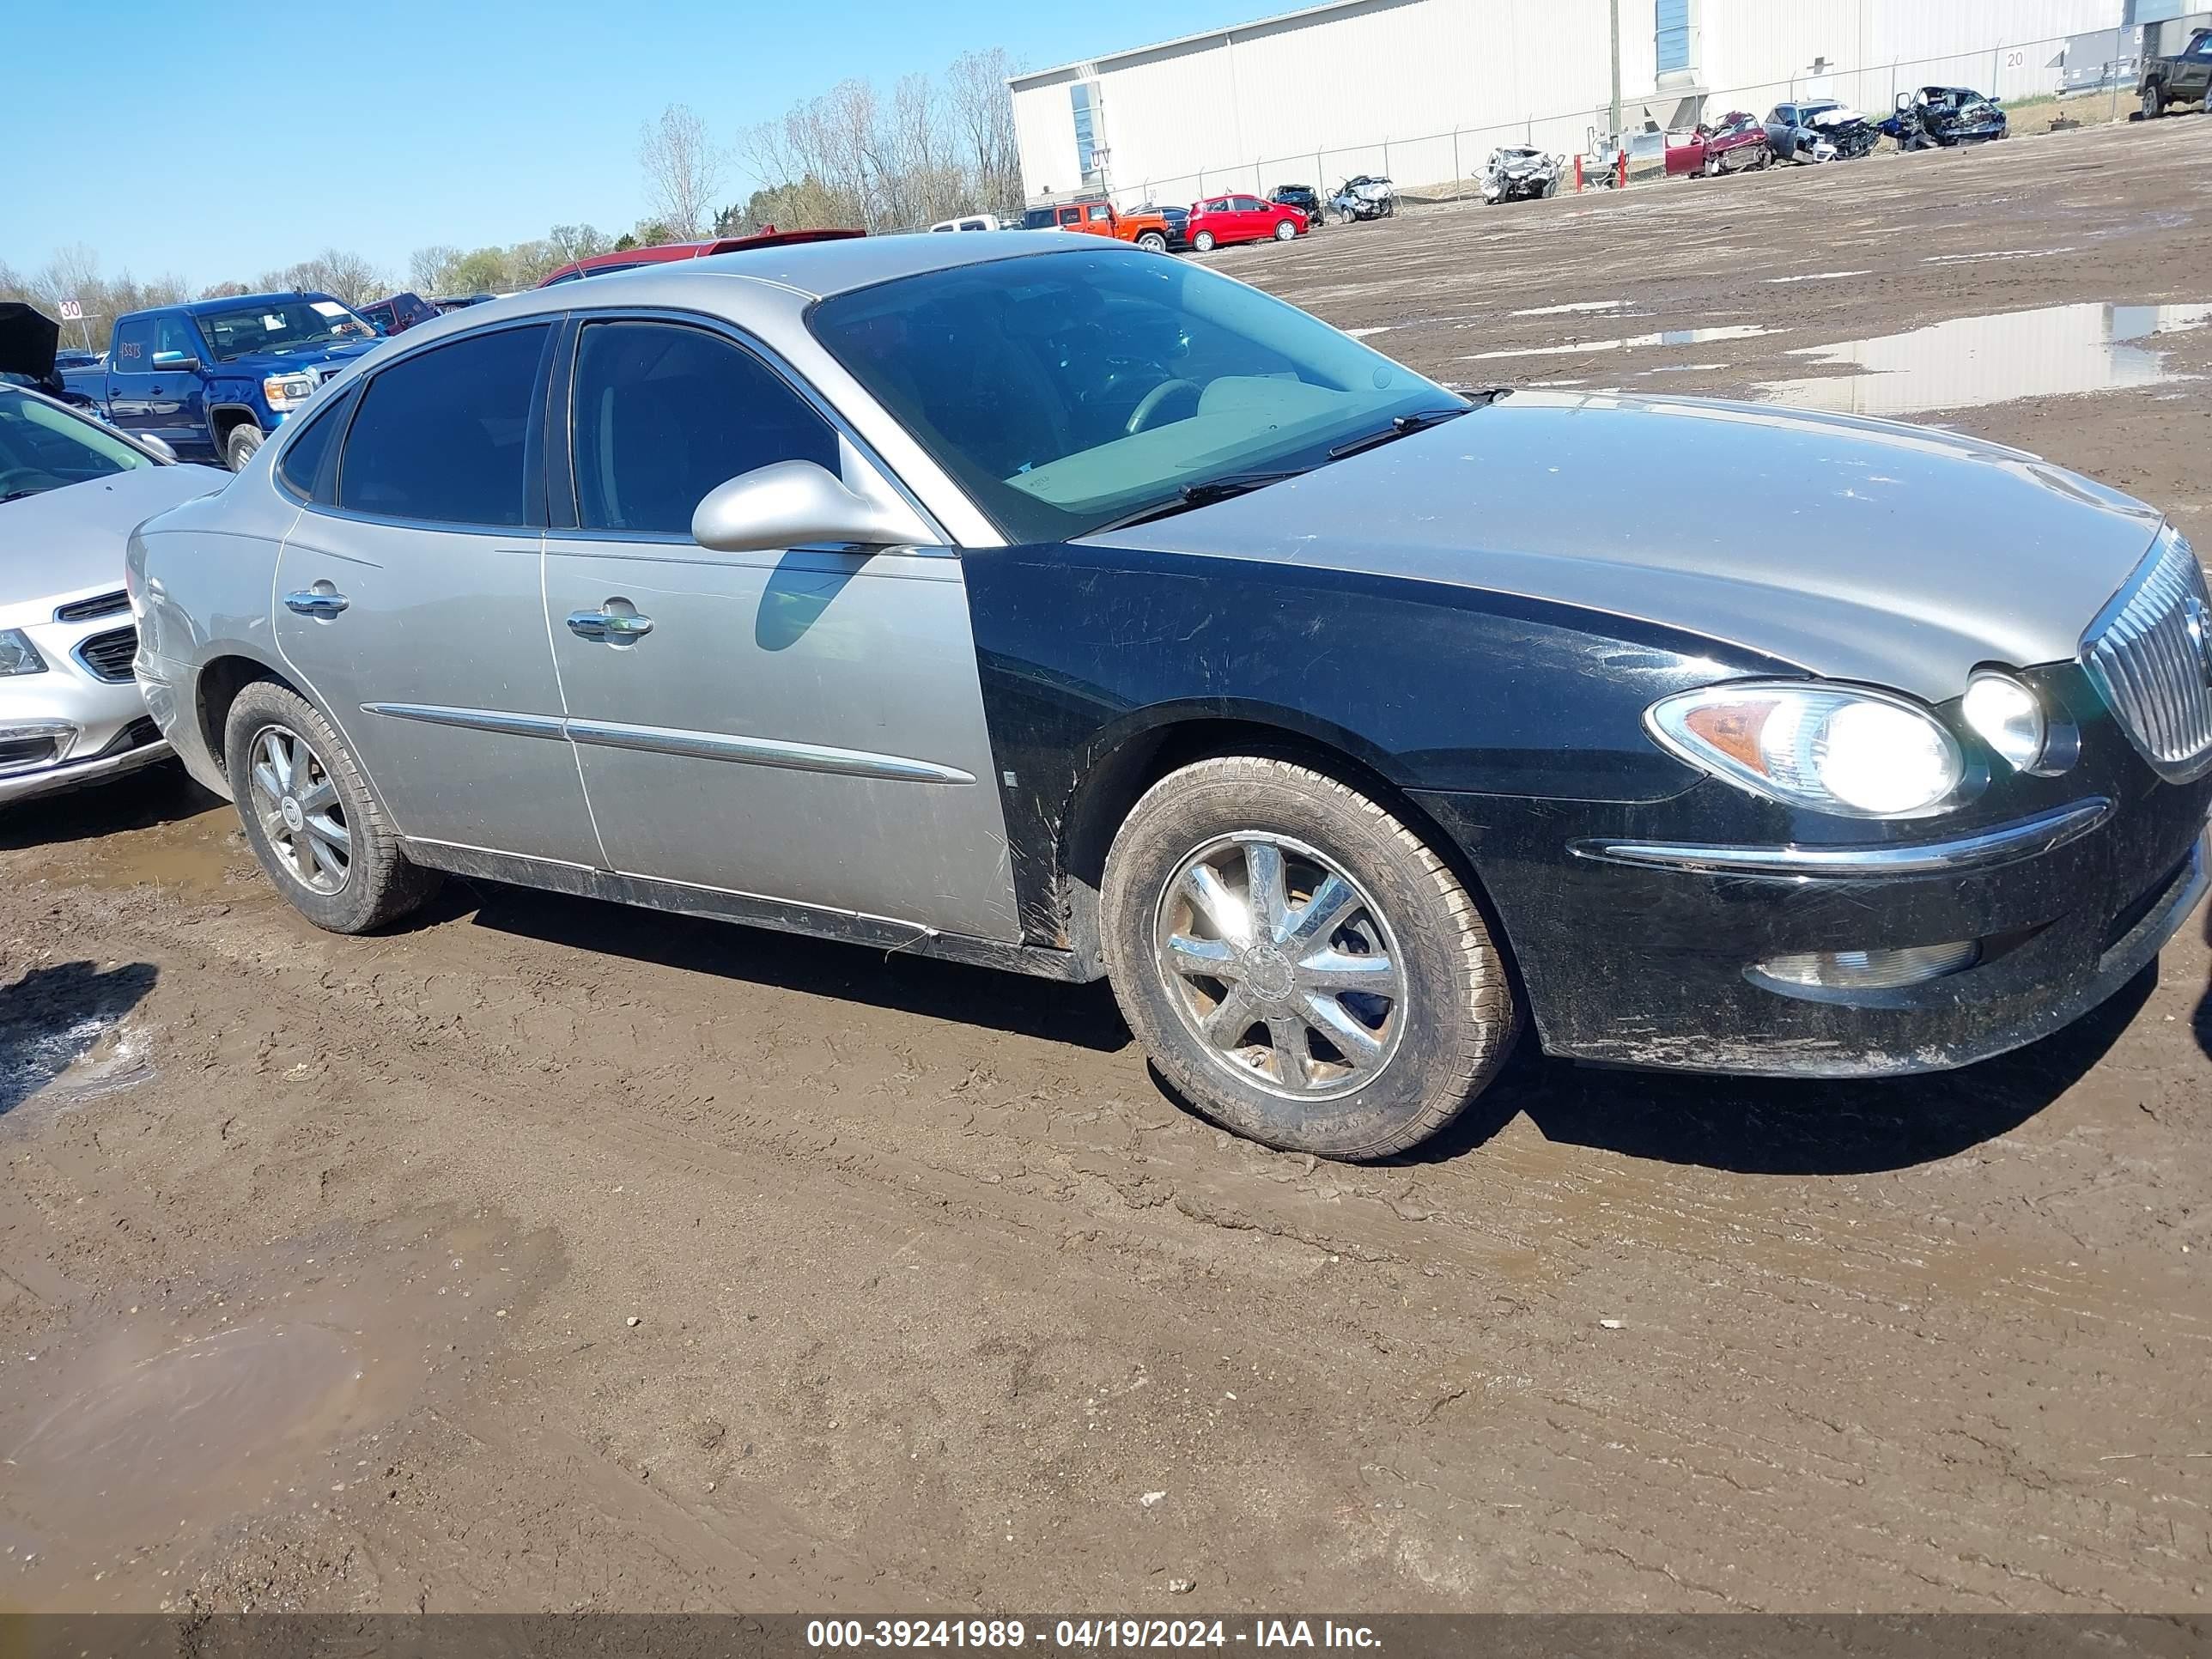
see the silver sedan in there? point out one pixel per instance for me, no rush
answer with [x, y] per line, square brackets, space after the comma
[71, 490]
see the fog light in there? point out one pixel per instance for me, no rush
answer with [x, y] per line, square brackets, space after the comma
[1869, 970]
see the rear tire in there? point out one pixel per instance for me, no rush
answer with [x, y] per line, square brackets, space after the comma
[1152, 242]
[310, 817]
[1412, 1014]
[1203, 241]
[2153, 102]
[238, 448]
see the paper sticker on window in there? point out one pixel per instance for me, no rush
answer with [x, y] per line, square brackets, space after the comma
[272, 322]
[327, 308]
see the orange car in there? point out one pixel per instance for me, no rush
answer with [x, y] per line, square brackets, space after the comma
[1147, 230]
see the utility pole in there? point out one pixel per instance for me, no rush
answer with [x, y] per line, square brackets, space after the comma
[1616, 68]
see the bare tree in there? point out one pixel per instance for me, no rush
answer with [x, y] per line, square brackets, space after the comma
[984, 113]
[337, 272]
[430, 268]
[682, 168]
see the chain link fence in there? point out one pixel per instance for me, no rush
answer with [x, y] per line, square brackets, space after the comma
[2081, 78]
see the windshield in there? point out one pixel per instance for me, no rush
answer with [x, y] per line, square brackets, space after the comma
[1068, 390]
[281, 325]
[43, 448]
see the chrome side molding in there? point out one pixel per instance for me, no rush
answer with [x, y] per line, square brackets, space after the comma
[668, 740]
[764, 751]
[2004, 843]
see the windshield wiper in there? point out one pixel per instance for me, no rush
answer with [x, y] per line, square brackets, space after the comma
[1404, 426]
[1201, 495]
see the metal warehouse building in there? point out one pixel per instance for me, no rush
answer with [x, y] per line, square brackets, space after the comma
[1423, 90]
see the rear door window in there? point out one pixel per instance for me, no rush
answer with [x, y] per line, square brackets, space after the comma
[664, 414]
[441, 435]
[134, 347]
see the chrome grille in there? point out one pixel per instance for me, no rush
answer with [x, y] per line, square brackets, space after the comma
[108, 655]
[2150, 654]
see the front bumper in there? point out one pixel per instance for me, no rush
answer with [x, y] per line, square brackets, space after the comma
[1638, 950]
[68, 725]
[136, 745]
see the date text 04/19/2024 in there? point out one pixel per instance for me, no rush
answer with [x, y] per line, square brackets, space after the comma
[1083, 1635]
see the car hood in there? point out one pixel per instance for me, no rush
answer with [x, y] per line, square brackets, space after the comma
[275, 363]
[70, 541]
[1859, 550]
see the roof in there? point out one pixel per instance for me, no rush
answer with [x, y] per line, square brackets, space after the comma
[1180, 43]
[229, 301]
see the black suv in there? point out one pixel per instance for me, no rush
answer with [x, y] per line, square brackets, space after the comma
[1304, 197]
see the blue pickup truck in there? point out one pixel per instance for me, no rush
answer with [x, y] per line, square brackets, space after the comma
[212, 378]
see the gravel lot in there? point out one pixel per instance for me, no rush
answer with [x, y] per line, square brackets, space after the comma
[549, 1255]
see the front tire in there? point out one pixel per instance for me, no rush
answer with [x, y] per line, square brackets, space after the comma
[1299, 963]
[310, 817]
[1284, 230]
[238, 448]
[1203, 241]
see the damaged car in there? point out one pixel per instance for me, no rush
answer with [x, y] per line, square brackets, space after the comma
[1070, 611]
[1519, 173]
[1944, 118]
[1734, 143]
[1820, 129]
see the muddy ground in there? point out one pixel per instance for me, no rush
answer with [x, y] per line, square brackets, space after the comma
[549, 1255]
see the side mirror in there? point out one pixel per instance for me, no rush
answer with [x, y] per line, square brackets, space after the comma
[175, 363]
[1903, 101]
[148, 441]
[798, 503]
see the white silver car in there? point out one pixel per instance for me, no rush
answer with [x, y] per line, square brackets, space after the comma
[71, 490]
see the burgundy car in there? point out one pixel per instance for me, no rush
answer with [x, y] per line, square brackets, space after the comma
[398, 313]
[1734, 143]
[601, 265]
[1220, 220]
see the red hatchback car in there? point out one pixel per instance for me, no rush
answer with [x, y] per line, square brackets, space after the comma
[1221, 220]
[601, 265]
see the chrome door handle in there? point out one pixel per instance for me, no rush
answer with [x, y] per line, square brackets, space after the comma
[610, 627]
[315, 603]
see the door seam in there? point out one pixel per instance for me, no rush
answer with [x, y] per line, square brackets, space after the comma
[560, 688]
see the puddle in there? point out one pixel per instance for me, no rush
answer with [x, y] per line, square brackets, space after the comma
[62, 1036]
[1971, 361]
[1615, 308]
[1670, 336]
[1994, 253]
[138, 1432]
[1362, 333]
[1819, 277]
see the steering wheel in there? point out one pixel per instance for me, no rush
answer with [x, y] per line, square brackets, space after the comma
[1140, 418]
[14, 476]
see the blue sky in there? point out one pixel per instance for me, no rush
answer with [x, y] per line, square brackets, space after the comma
[249, 136]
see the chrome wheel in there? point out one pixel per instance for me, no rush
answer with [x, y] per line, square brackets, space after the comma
[297, 804]
[1282, 965]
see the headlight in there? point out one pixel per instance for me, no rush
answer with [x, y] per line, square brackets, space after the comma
[1832, 748]
[18, 655]
[288, 392]
[2005, 715]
